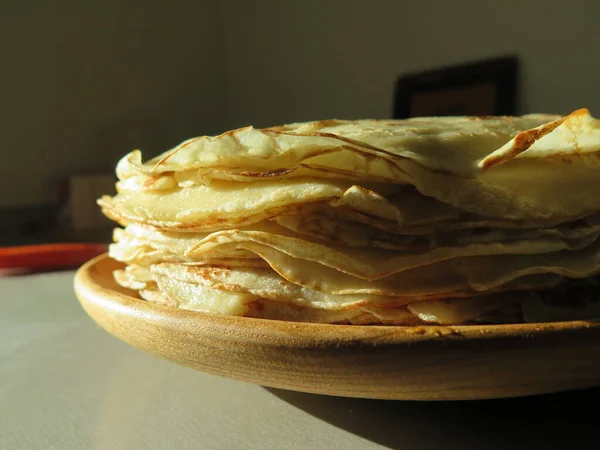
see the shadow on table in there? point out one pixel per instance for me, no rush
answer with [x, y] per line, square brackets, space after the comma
[556, 421]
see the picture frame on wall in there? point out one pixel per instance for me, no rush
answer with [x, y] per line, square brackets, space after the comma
[480, 88]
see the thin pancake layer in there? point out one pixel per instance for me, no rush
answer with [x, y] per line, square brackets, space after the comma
[483, 166]
[224, 205]
[367, 264]
[200, 298]
[197, 297]
[372, 264]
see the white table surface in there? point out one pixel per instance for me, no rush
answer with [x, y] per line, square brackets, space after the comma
[67, 384]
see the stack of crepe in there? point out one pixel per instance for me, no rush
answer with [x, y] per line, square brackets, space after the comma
[447, 220]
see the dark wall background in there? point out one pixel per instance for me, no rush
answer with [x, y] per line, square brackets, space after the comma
[83, 82]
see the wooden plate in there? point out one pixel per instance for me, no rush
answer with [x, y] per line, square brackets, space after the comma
[415, 363]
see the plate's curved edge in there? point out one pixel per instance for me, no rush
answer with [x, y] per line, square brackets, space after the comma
[89, 289]
[402, 363]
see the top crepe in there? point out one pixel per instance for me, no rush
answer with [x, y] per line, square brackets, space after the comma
[530, 168]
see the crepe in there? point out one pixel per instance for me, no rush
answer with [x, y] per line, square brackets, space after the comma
[430, 220]
[368, 263]
[474, 164]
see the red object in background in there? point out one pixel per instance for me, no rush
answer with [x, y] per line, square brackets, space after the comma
[49, 256]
